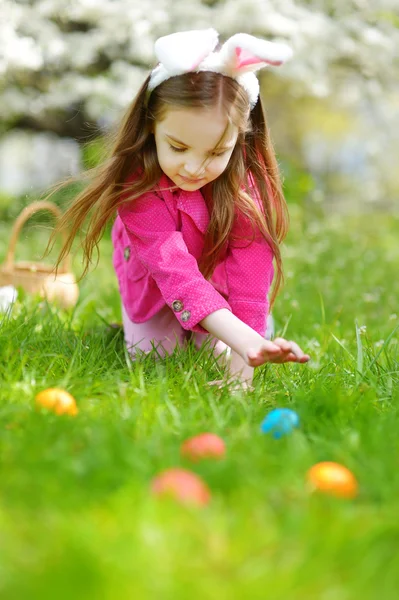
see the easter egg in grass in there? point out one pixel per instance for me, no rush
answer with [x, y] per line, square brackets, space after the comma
[203, 446]
[57, 401]
[183, 486]
[279, 422]
[333, 479]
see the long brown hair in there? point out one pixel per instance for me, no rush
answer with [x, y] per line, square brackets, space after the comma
[252, 165]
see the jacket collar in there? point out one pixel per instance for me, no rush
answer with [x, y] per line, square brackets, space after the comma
[191, 203]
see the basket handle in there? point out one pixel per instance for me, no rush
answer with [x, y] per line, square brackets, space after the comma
[26, 214]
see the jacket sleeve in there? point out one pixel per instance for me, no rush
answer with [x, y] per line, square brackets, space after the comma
[249, 274]
[162, 251]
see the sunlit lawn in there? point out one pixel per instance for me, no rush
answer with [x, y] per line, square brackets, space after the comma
[76, 516]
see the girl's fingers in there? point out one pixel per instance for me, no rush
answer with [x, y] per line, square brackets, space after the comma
[268, 348]
[301, 356]
[293, 348]
[305, 358]
[283, 344]
[290, 357]
[282, 352]
[259, 357]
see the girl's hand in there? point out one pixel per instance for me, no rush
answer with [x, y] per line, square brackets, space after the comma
[277, 351]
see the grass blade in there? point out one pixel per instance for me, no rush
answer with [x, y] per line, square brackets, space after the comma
[359, 362]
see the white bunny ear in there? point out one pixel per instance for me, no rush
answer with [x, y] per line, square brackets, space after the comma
[243, 53]
[183, 51]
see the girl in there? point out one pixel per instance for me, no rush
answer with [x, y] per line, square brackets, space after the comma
[200, 212]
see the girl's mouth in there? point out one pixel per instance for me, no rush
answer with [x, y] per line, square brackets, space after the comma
[187, 180]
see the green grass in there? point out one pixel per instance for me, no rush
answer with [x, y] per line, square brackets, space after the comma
[76, 516]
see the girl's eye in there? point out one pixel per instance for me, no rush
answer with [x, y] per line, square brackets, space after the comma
[214, 154]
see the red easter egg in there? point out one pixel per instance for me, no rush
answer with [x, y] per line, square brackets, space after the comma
[181, 485]
[204, 445]
[333, 479]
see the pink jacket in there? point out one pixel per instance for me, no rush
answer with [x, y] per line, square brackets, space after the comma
[158, 240]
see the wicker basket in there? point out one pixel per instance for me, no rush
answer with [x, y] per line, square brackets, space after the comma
[39, 278]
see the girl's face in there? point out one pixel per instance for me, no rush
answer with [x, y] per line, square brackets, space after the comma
[186, 141]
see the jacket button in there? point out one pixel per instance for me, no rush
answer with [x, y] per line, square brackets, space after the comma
[126, 253]
[177, 305]
[185, 315]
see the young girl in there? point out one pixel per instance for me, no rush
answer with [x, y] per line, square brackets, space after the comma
[194, 181]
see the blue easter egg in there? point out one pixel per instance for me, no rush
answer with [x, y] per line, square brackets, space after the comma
[279, 422]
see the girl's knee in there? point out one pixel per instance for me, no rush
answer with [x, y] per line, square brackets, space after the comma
[159, 348]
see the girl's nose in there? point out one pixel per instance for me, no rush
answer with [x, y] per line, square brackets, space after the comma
[194, 169]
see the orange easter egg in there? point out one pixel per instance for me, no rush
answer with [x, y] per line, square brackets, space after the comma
[58, 401]
[204, 445]
[181, 485]
[334, 479]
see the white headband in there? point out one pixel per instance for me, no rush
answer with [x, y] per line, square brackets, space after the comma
[238, 58]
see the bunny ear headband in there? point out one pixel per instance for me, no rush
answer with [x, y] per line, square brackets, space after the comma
[239, 57]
